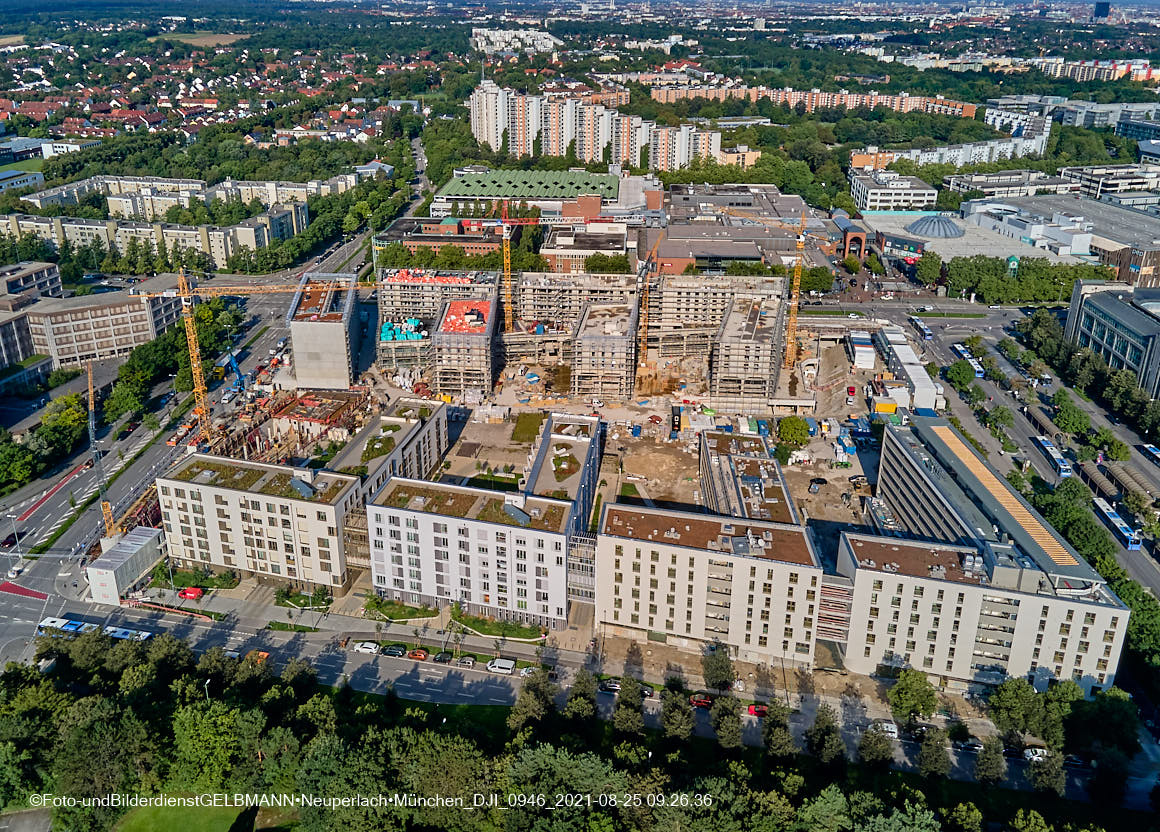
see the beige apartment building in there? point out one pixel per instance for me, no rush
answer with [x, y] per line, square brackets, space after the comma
[251, 517]
[690, 580]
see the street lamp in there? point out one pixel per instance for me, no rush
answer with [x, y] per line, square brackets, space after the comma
[15, 537]
[207, 690]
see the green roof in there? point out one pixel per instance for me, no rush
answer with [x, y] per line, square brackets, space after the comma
[531, 184]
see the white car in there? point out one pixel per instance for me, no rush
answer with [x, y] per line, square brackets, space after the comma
[887, 727]
[371, 647]
[528, 671]
[1034, 754]
[850, 401]
[597, 403]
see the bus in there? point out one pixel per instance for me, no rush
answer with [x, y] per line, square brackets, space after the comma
[1152, 453]
[961, 351]
[1128, 537]
[1061, 466]
[977, 367]
[922, 328]
[69, 628]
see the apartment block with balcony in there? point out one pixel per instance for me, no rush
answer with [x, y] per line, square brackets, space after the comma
[691, 580]
[989, 591]
[501, 554]
[256, 518]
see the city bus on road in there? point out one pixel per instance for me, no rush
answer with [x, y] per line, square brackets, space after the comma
[1058, 463]
[1128, 537]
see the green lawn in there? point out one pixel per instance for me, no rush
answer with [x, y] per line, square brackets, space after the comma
[187, 819]
[491, 627]
[396, 611]
[25, 164]
[528, 426]
[282, 626]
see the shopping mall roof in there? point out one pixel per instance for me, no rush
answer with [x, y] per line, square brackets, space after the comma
[531, 184]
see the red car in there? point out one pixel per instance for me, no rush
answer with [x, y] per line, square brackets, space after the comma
[758, 710]
[191, 593]
[851, 390]
[655, 420]
[701, 700]
[419, 653]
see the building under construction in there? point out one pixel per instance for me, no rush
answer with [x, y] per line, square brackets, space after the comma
[462, 344]
[410, 302]
[604, 351]
[746, 356]
[324, 331]
[685, 311]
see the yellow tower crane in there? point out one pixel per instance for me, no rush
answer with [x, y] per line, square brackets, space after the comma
[187, 293]
[648, 266]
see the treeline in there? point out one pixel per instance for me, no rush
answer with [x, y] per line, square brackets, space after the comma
[216, 212]
[524, 257]
[1037, 280]
[1118, 391]
[64, 422]
[153, 718]
[217, 154]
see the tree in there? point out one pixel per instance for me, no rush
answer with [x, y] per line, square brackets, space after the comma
[1014, 706]
[875, 749]
[990, 764]
[933, 759]
[533, 702]
[581, 704]
[965, 817]
[960, 375]
[725, 716]
[1110, 777]
[1028, 820]
[929, 268]
[793, 430]
[823, 739]
[852, 264]
[676, 715]
[1047, 775]
[628, 718]
[717, 668]
[775, 733]
[912, 696]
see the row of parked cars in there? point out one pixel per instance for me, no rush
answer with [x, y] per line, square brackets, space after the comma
[505, 667]
[697, 700]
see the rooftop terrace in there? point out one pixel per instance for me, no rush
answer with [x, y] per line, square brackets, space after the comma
[466, 317]
[258, 478]
[532, 184]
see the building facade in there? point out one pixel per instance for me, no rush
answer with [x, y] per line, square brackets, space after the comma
[889, 191]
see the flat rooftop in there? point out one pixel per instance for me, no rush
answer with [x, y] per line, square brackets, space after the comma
[751, 319]
[473, 504]
[746, 478]
[256, 478]
[466, 317]
[164, 283]
[1122, 225]
[917, 559]
[532, 185]
[606, 320]
[975, 240]
[126, 548]
[422, 277]
[322, 299]
[726, 535]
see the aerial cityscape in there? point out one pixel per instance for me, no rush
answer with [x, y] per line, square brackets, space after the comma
[580, 416]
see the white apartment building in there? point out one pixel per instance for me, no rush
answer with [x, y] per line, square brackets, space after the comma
[488, 105]
[251, 517]
[938, 608]
[693, 579]
[671, 148]
[884, 190]
[515, 556]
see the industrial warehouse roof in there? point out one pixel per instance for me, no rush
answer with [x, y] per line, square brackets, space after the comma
[532, 184]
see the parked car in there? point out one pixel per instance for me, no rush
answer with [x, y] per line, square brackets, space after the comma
[701, 700]
[443, 657]
[609, 686]
[1034, 754]
[466, 661]
[971, 746]
[370, 647]
[758, 710]
[887, 727]
[419, 654]
[396, 650]
[503, 666]
[530, 670]
[851, 390]
[191, 593]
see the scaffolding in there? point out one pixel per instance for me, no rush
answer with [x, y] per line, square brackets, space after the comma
[604, 351]
[463, 347]
[744, 358]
